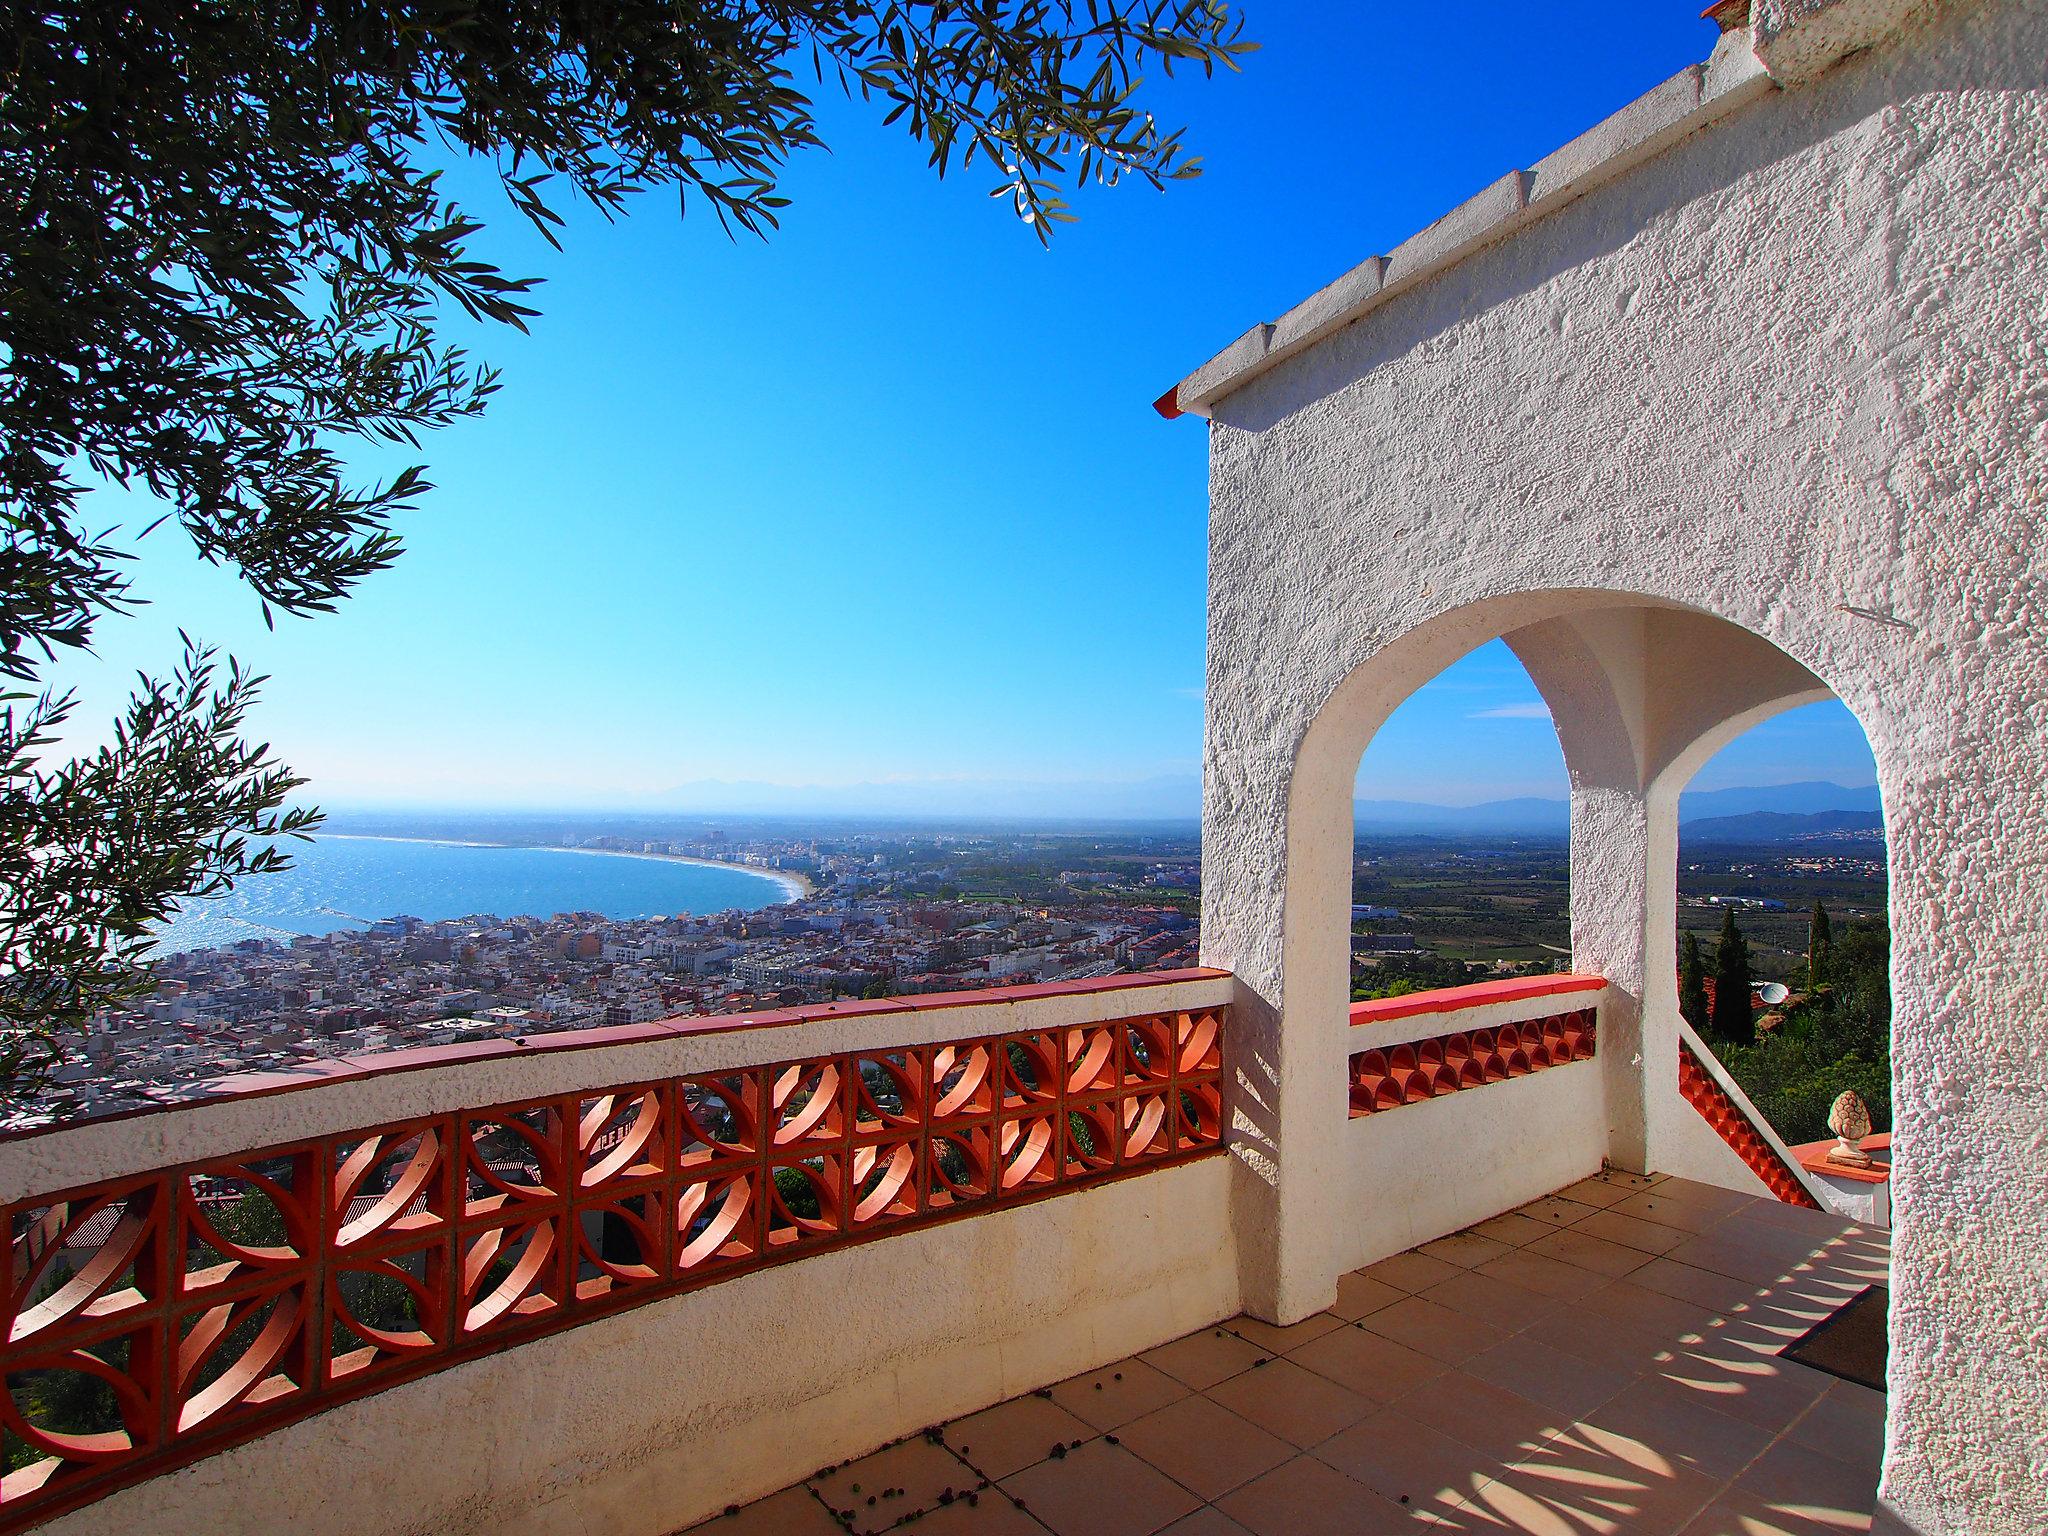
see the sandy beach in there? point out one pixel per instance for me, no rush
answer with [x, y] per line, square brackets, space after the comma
[798, 885]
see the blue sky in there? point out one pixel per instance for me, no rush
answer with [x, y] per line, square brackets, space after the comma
[884, 498]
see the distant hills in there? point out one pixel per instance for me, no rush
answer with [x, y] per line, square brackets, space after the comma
[1782, 827]
[1758, 813]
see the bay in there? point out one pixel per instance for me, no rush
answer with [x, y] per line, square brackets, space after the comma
[340, 882]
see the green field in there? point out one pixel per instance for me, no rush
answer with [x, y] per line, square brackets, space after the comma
[1506, 900]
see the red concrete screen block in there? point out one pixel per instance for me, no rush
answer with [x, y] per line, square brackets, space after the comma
[151, 1321]
[1720, 1111]
[1388, 1077]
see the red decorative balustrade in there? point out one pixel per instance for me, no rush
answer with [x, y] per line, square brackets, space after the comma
[155, 1319]
[1387, 1077]
[1701, 1090]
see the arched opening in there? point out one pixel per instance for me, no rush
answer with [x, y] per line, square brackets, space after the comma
[1641, 694]
[1784, 942]
[1461, 855]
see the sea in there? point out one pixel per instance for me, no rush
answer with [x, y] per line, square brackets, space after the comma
[339, 882]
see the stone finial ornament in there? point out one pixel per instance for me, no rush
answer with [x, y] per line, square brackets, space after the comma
[1849, 1119]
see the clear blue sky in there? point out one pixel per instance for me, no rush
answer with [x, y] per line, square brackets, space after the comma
[884, 498]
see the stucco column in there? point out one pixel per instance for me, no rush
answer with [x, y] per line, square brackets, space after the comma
[1624, 850]
[1275, 902]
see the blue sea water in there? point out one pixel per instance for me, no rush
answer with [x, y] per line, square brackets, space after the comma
[350, 882]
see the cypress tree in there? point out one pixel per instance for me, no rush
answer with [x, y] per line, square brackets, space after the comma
[1692, 983]
[1733, 1018]
[1820, 949]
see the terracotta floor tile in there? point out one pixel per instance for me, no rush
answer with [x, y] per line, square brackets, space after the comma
[1359, 1294]
[1604, 1340]
[877, 1491]
[1205, 1358]
[1655, 1205]
[1710, 1197]
[1409, 1463]
[1759, 1388]
[1203, 1446]
[1596, 1191]
[1820, 1225]
[1509, 1308]
[1206, 1521]
[1118, 1393]
[991, 1514]
[1632, 1231]
[1735, 1514]
[1014, 1435]
[1591, 1480]
[1574, 1245]
[1100, 1490]
[1847, 1423]
[1667, 1316]
[1502, 1426]
[1561, 1382]
[792, 1512]
[1794, 1245]
[1467, 1250]
[1557, 1211]
[1682, 1427]
[1277, 1341]
[1374, 1367]
[1307, 1497]
[1793, 1481]
[1548, 1277]
[1621, 1178]
[1443, 1333]
[1511, 1228]
[1411, 1271]
[1294, 1403]
[1704, 1287]
[1737, 1260]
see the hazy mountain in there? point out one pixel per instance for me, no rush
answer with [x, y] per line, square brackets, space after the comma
[1531, 815]
[1787, 799]
[1782, 827]
[1178, 797]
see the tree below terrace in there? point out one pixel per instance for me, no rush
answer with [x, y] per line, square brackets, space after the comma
[225, 253]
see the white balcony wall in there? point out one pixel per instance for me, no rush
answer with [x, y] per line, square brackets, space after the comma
[643, 1422]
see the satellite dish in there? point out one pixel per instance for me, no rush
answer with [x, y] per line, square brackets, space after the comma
[1772, 993]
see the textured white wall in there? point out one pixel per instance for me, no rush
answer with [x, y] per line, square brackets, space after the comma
[1793, 373]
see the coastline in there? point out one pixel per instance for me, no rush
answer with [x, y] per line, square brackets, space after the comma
[797, 885]
[792, 886]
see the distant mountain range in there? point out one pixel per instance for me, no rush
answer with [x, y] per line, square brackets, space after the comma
[1782, 827]
[1757, 813]
[1767, 813]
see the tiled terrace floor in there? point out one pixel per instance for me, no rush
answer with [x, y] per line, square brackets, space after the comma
[1603, 1362]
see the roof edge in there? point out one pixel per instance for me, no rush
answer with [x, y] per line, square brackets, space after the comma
[1785, 44]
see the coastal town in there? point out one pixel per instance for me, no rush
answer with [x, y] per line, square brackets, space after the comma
[870, 916]
[868, 911]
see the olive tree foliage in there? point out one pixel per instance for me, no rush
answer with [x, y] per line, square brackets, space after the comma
[226, 249]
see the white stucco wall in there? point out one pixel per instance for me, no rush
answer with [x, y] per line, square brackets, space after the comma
[1791, 372]
[1424, 1170]
[1417, 1172]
